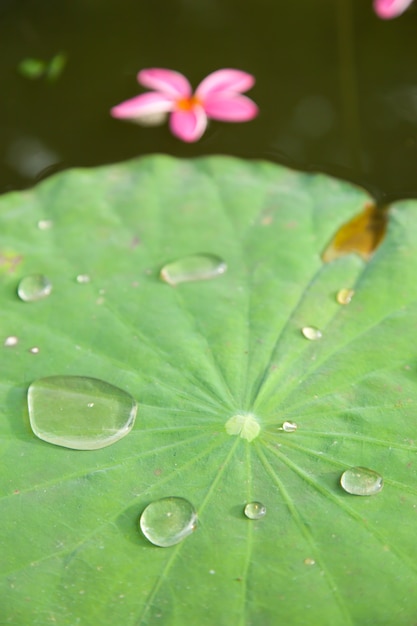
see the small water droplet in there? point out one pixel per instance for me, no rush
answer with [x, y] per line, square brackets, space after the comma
[311, 332]
[194, 267]
[11, 341]
[90, 405]
[344, 296]
[34, 287]
[309, 561]
[168, 521]
[82, 279]
[34, 350]
[59, 412]
[361, 481]
[289, 427]
[255, 510]
[45, 224]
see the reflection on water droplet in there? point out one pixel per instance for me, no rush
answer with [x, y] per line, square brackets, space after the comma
[168, 521]
[11, 341]
[255, 510]
[45, 224]
[361, 481]
[59, 412]
[311, 332]
[289, 427]
[344, 296]
[195, 267]
[309, 561]
[34, 350]
[34, 287]
[247, 426]
[82, 279]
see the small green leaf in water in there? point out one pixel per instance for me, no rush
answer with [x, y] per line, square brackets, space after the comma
[32, 68]
[56, 66]
[35, 69]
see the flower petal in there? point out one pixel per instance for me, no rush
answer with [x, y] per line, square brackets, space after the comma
[230, 107]
[225, 80]
[188, 125]
[387, 9]
[167, 82]
[144, 105]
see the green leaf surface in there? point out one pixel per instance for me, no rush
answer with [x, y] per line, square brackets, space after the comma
[195, 356]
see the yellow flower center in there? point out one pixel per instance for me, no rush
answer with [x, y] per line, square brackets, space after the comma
[188, 104]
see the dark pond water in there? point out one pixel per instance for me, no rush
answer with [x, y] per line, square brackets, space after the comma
[336, 86]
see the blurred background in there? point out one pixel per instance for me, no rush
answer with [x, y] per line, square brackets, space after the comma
[336, 86]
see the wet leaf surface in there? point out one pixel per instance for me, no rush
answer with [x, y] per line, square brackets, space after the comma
[194, 357]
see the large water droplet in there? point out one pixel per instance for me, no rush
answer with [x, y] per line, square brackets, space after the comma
[79, 412]
[344, 296]
[311, 332]
[168, 521]
[34, 287]
[195, 267]
[361, 481]
[255, 510]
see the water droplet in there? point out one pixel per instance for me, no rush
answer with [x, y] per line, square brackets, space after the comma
[11, 341]
[168, 521]
[361, 481]
[311, 332]
[59, 412]
[45, 224]
[344, 296]
[255, 510]
[82, 279]
[247, 426]
[289, 427]
[34, 350]
[195, 267]
[34, 287]
[309, 561]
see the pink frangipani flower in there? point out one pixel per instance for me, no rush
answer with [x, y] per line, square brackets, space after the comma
[218, 96]
[387, 9]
